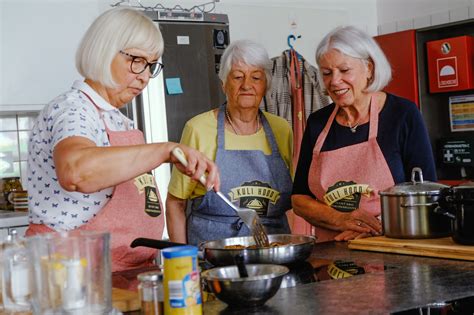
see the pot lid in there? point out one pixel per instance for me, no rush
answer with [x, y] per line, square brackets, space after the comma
[414, 187]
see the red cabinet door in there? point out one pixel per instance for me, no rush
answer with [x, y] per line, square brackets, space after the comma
[400, 49]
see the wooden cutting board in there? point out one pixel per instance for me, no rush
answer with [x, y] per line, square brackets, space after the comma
[438, 247]
[125, 300]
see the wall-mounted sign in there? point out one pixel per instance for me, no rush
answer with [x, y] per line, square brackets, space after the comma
[450, 65]
[461, 112]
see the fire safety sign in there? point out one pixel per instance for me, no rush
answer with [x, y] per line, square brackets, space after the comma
[447, 72]
[450, 65]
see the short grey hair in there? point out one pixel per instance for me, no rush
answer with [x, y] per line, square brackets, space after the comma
[114, 30]
[356, 43]
[246, 52]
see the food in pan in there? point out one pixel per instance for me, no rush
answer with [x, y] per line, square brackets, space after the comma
[238, 246]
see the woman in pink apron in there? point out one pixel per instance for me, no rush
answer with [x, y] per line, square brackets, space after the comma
[366, 141]
[88, 168]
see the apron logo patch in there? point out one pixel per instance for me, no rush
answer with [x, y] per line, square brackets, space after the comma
[345, 196]
[145, 183]
[255, 195]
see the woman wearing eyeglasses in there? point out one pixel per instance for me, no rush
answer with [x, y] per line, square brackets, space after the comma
[88, 168]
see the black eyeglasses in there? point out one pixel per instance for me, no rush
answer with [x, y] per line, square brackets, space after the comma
[139, 64]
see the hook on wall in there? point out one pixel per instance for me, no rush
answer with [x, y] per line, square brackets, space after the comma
[291, 38]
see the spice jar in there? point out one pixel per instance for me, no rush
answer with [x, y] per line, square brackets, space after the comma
[151, 293]
[10, 185]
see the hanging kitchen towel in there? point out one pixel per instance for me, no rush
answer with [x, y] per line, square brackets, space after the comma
[298, 112]
[278, 98]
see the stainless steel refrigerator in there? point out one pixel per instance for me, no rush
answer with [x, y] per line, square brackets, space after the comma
[189, 84]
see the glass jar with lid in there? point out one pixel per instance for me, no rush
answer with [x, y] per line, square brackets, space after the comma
[10, 184]
[151, 293]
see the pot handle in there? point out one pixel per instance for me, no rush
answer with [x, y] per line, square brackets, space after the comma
[406, 205]
[149, 242]
[413, 175]
[441, 211]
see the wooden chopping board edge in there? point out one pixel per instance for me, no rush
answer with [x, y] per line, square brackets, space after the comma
[438, 248]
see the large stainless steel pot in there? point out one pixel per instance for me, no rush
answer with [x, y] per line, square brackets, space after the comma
[296, 248]
[408, 209]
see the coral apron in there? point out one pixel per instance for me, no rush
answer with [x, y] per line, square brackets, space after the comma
[135, 210]
[350, 177]
[249, 177]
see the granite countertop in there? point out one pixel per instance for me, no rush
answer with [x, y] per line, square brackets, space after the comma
[408, 282]
[13, 218]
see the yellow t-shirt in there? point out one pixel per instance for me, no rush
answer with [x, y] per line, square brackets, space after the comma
[200, 132]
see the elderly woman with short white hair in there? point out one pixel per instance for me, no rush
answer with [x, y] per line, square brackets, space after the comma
[366, 141]
[252, 148]
[89, 169]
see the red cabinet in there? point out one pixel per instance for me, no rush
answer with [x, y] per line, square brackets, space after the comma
[450, 65]
[400, 49]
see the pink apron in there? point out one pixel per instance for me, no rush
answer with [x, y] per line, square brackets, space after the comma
[124, 216]
[350, 177]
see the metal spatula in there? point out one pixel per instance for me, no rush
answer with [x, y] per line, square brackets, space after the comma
[248, 216]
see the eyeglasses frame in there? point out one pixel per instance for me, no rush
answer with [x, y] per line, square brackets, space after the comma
[148, 64]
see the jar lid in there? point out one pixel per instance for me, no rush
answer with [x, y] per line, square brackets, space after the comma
[179, 251]
[150, 276]
[414, 187]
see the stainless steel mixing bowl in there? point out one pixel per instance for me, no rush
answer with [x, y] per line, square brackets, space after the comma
[262, 283]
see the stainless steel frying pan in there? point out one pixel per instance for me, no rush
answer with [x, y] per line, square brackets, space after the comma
[297, 248]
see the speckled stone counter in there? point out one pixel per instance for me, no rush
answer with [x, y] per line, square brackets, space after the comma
[409, 282]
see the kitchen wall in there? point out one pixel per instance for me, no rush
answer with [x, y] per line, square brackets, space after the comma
[39, 38]
[401, 15]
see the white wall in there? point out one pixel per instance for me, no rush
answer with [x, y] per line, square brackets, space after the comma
[38, 39]
[37, 47]
[400, 15]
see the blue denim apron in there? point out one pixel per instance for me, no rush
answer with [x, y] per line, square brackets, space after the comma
[250, 179]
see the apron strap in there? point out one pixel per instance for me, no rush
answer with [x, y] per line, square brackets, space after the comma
[221, 128]
[374, 120]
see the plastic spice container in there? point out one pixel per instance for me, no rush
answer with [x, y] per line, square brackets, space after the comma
[151, 292]
[181, 281]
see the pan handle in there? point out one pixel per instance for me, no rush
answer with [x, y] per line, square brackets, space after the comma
[426, 204]
[149, 242]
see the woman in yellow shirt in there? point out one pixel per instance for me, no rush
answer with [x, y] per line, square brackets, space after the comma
[253, 150]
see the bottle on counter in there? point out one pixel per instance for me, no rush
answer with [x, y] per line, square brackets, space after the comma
[150, 290]
[10, 185]
[181, 281]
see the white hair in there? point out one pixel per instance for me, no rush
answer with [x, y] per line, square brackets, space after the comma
[114, 30]
[355, 43]
[246, 52]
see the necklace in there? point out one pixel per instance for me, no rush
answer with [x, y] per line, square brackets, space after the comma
[353, 128]
[227, 115]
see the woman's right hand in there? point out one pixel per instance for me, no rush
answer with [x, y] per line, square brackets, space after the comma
[198, 165]
[361, 221]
